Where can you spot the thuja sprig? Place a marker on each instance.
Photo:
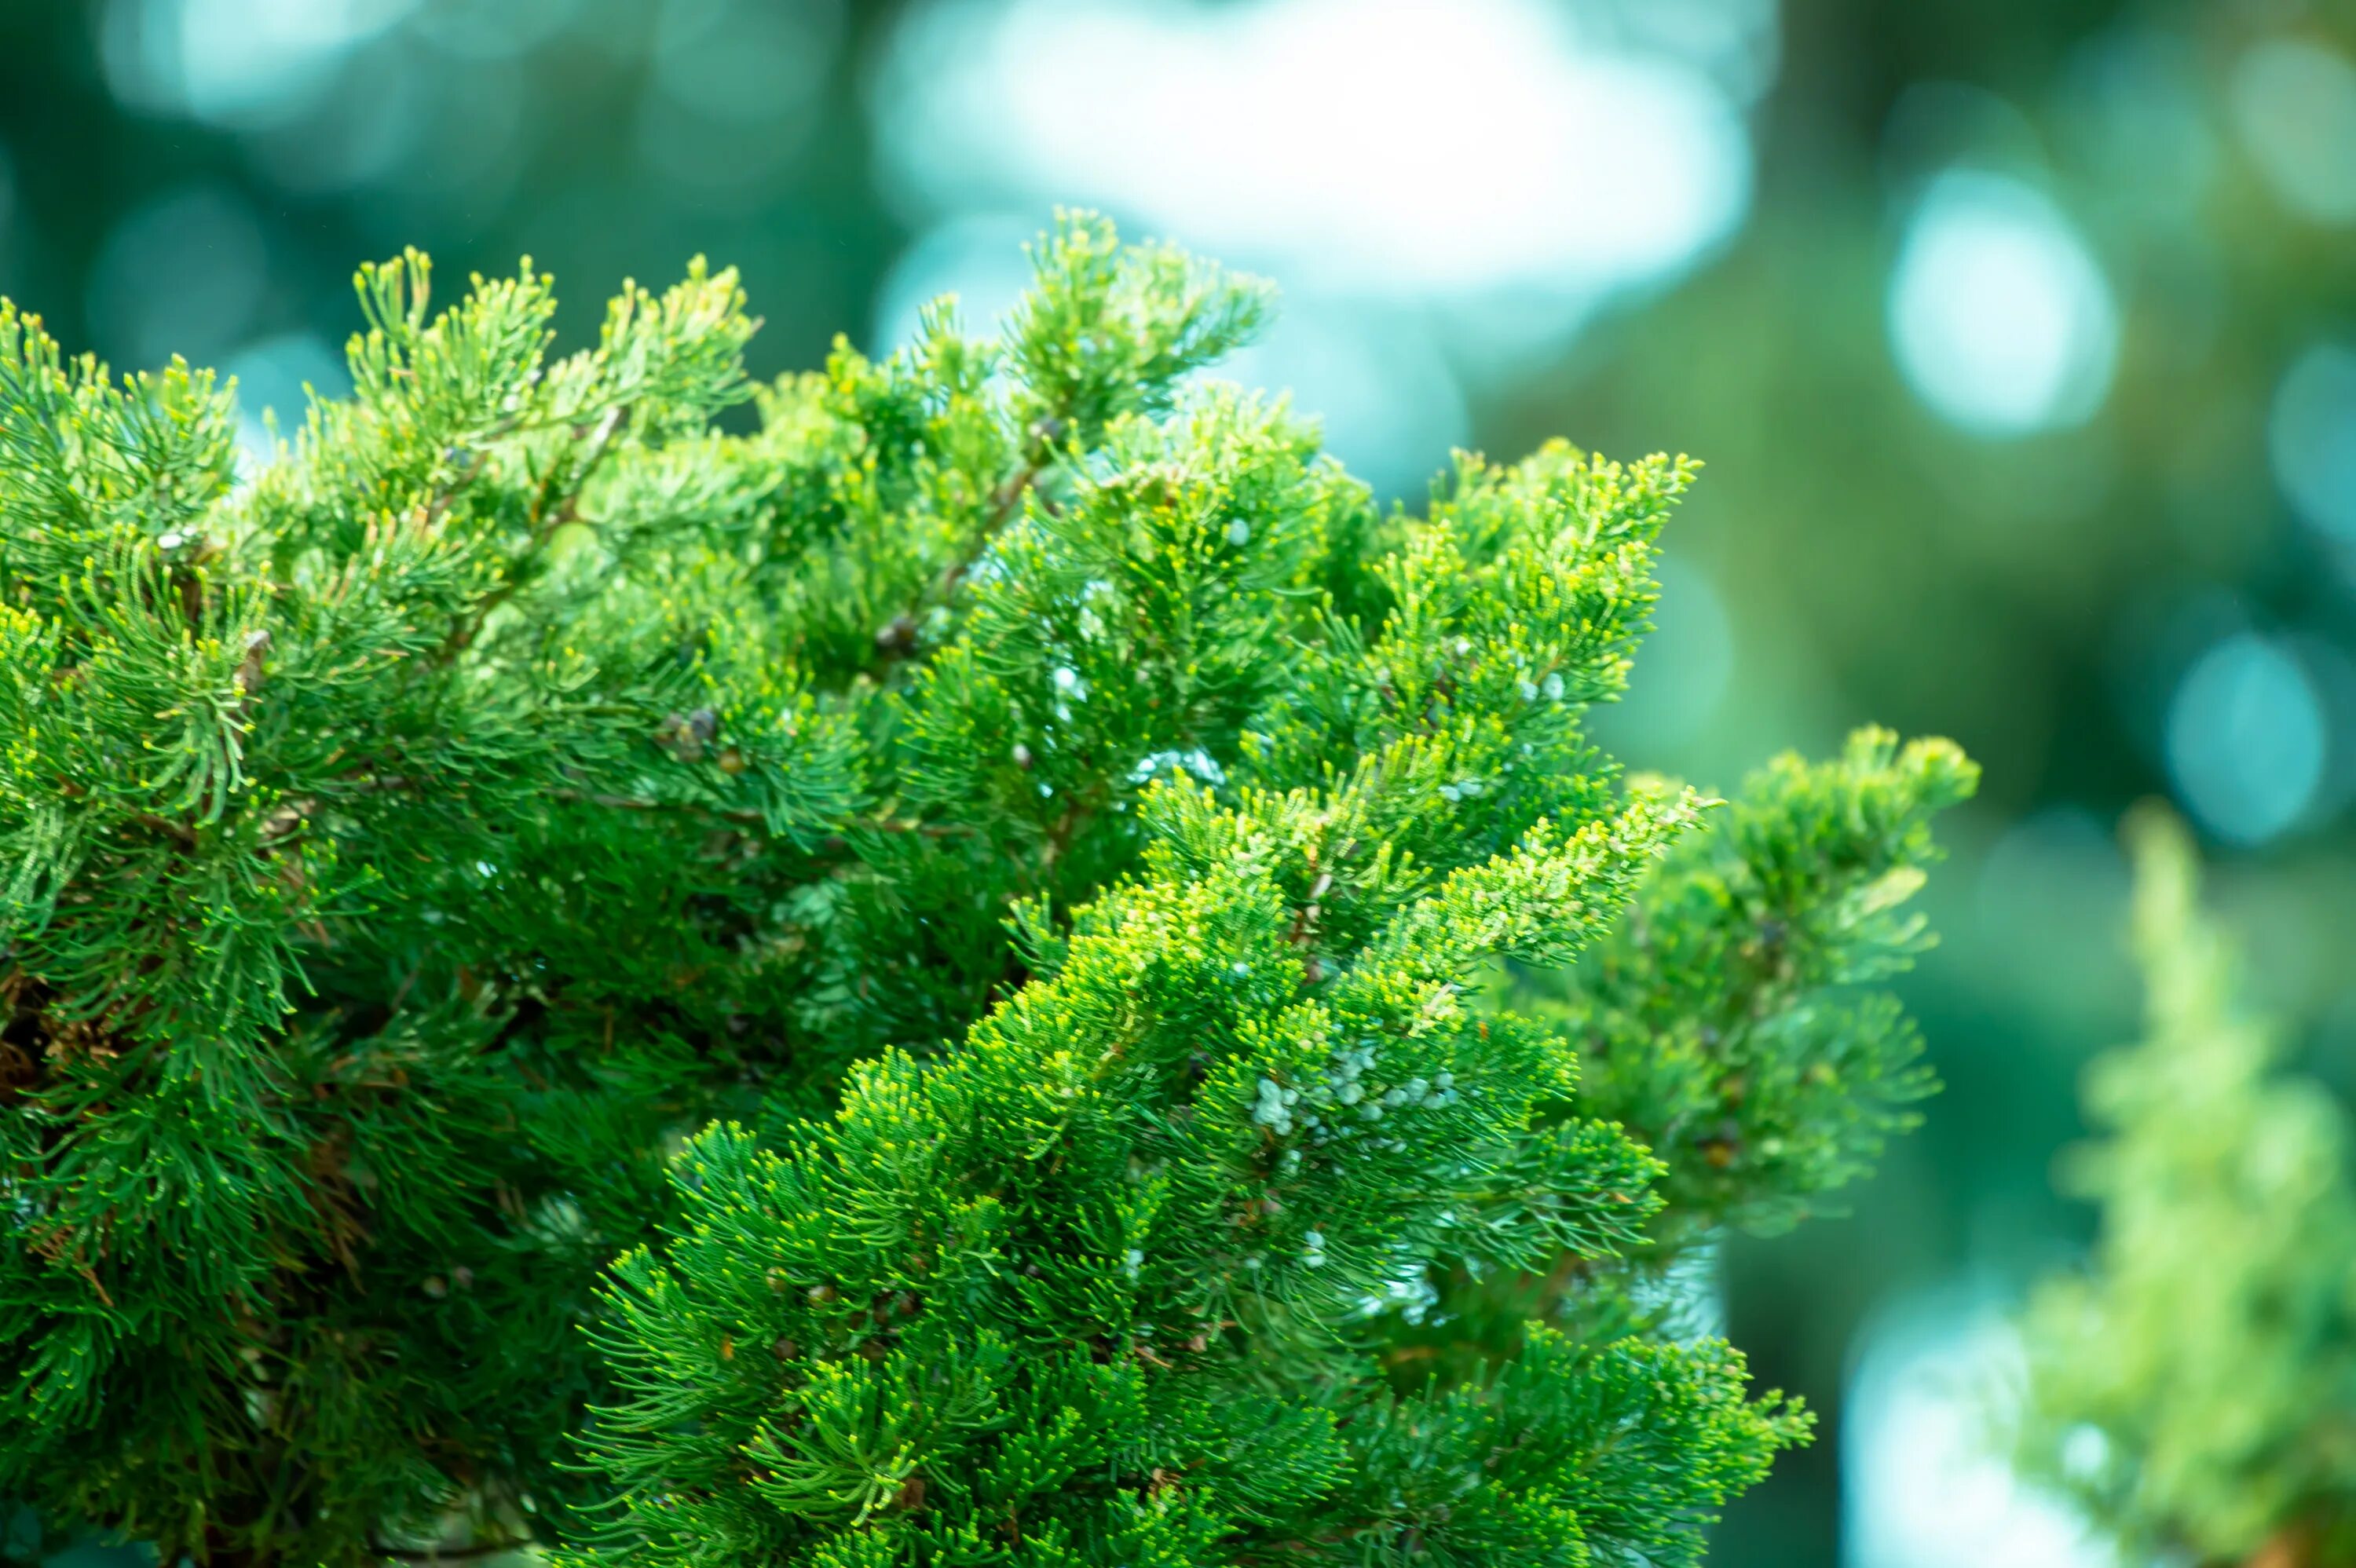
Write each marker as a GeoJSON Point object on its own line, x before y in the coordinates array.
{"type": "Point", "coordinates": [994, 891]}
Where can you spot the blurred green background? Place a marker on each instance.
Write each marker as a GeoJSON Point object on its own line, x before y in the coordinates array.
{"type": "Point", "coordinates": [2018, 336]}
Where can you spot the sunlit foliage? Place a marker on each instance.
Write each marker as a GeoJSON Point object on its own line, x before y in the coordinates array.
{"type": "Point", "coordinates": [1071, 853]}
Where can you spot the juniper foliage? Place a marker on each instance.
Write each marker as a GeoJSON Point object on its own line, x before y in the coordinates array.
{"type": "Point", "coordinates": [1078, 851]}
{"type": "Point", "coordinates": [2193, 1389]}
{"type": "Point", "coordinates": [1732, 1021]}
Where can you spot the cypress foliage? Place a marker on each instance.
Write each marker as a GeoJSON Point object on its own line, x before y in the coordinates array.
{"type": "Point", "coordinates": [2193, 1389]}
{"type": "Point", "coordinates": [1104, 883]}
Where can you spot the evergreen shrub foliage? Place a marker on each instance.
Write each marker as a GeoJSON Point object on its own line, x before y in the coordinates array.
{"type": "Point", "coordinates": [2194, 1389]}
{"type": "Point", "coordinates": [1087, 970]}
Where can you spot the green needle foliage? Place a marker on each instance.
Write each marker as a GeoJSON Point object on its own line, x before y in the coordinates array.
{"type": "Point", "coordinates": [1069, 847]}
{"type": "Point", "coordinates": [2194, 1390]}
{"type": "Point", "coordinates": [1730, 1021]}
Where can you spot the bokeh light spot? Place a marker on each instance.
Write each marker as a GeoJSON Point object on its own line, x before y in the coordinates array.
{"type": "Point", "coordinates": [274, 378]}
{"type": "Point", "coordinates": [272, 373]}
{"type": "Point", "coordinates": [2055, 882]}
{"type": "Point", "coordinates": [1999, 318]}
{"type": "Point", "coordinates": [979, 257]}
{"type": "Point", "coordinates": [2246, 739]}
{"type": "Point", "coordinates": [493, 32]}
{"type": "Point", "coordinates": [2294, 103]}
{"type": "Point", "coordinates": [2312, 437]}
{"type": "Point", "coordinates": [1922, 1485]}
{"type": "Point", "coordinates": [1377, 382]}
{"type": "Point", "coordinates": [1270, 133]}
{"type": "Point", "coordinates": [1558, 160]}
{"type": "Point", "coordinates": [467, 156]}
{"type": "Point", "coordinates": [2134, 117]}
{"type": "Point", "coordinates": [184, 273]}
{"type": "Point", "coordinates": [241, 63]}
{"type": "Point", "coordinates": [744, 64]}
{"type": "Point", "coordinates": [743, 77]}
{"type": "Point", "coordinates": [363, 132]}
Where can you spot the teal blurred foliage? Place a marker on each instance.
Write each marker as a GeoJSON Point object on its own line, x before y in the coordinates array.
{"type": "Point", "coordinates": [2192, 1390]}
{"type": "Point", "coordinates": [2136, 582]}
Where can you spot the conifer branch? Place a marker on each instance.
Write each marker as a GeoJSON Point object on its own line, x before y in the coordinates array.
{"type": "Point", "coordinates": [1003, 503]}
{"type": "Point", "coordinates": [898, 639]}
{"type": "Point", "coordinates": [1152, 1004]}
{"type": "Point", "coordinates": [179, 832]}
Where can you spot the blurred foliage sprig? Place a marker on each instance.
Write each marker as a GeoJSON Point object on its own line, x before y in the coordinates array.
{"type": "Point", "coordinates": [2194, 1389]}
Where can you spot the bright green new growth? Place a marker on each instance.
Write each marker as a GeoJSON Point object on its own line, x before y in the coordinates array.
{"type": "Point", "coordinates": [1075, 842]}
{"type": "Point", "coordinates": [1097, 1285]}
{"type": "Point", "coordinates": [1725, 1022]}
{"type": "Point", "coordinates": [2195, 1390]}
